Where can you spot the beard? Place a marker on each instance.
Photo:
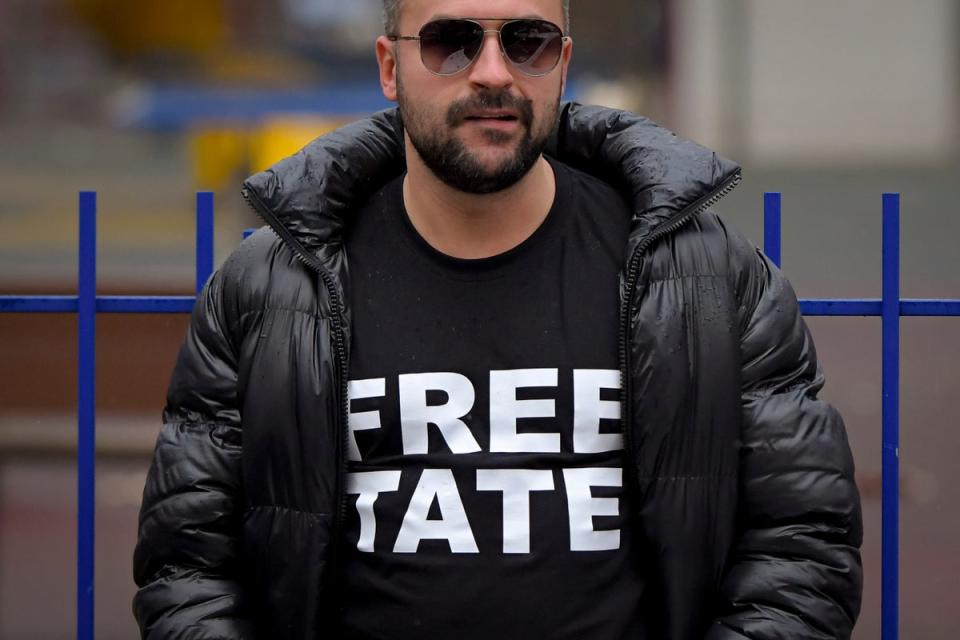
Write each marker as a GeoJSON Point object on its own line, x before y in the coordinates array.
{"type": "Point", "coordinates": [452, 162]}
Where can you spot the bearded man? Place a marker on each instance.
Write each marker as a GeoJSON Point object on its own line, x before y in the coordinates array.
{"type": "Point", "coordinates": [495, 369]}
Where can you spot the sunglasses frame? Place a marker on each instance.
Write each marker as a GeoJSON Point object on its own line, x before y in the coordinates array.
{"type": "Point", "coordinates": [499, 31]}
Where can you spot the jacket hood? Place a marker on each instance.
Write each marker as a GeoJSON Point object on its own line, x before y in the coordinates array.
{"type": "Point", "coordinates": [308, 197]}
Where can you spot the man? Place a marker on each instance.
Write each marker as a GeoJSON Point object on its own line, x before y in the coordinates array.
{"type": "Point", "coordinates": [463, 389]}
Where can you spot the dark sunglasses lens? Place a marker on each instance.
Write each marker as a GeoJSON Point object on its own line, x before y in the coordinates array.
{"type": "Point", "coordinates": [449, 46]}
{"type": "Point", "coordinates": [533, 45]}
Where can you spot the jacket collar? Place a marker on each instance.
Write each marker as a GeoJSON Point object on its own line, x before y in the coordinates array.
{"type": "Point", "coordinates": [308, 197]}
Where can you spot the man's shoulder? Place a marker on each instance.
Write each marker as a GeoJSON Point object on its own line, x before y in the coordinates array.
{"type": "Point", "coordinates": [257, 252]}
{"type": "Point", "coordinates": [264, 272]}
{"type": "Point", "coordinates": [708, 245]}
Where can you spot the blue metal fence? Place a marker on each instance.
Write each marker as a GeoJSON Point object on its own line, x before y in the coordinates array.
{"type": "Point", "coordinates": [87, 304]}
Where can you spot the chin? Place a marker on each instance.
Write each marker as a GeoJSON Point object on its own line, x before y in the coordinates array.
{"type": "Point", "coordinates": [492, 148]}
{"type": "Point", "coordinates": [495, 161]}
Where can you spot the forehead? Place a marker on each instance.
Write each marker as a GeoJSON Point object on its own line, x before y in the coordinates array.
{"type": "Point", "coordinates": [414, 13]}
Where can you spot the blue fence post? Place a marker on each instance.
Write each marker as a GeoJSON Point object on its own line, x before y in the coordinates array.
{"type": "Point", "coordinates": [204, 260]}
{"type": "Point", "coordinates": [772, 232]}
{"type": "Point", "coordinates": [86, 410]}
{"type": "Point", "coordinates": [890, 305]}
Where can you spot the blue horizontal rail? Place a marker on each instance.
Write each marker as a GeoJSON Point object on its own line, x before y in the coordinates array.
{"type": "Point", "coordinates": [104, 304]}
{"type": "Point", "coordinates": [184, 304]}
{"type": "Point", "coordinates": [874, 307]}
{"type": "Point", "coordinates": [86, 304]}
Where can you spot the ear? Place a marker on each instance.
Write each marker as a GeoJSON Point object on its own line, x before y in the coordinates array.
{"type": "Point", "coordinates": [565, 63]}
{"type": "Point", "coordinates": [387, 60]}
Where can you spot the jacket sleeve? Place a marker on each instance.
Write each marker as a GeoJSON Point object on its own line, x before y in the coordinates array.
{"type": "Point", "coordinates": [795, 568]}
{"type": "Point", "coordinates": [186, 558]}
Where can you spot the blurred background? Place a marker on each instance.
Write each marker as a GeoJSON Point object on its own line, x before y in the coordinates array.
{"type": "Point", "coordinates": [831, 102]}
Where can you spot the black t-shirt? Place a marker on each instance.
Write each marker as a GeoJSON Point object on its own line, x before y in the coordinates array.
{"type": "Point", "coordinates": [484, 480]}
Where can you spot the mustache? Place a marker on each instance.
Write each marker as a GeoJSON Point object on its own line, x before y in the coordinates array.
{"type": "Point", "coordinates": [460, 109]}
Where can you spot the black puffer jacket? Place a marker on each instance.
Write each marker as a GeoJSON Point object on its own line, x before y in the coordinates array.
{"type": "Point", "coordinates": [742, 478]}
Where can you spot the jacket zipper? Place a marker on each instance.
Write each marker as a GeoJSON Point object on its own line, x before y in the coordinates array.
{"type": "Point", "coordinates": [633, 272]}
{"type": "Point", "coordinates": [312, 262]}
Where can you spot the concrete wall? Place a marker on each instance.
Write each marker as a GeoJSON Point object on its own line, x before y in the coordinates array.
{"type": "Point", "coordinates": [844, 81]}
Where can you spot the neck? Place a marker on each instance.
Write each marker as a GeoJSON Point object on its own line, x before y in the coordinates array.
{"type": "Point", "coordinates": [471, 226]}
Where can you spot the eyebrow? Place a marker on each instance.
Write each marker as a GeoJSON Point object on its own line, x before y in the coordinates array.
{"type": "Point", "coordinates": [446, 16]}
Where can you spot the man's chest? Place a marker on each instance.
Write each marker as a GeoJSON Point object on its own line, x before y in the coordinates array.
{"type": "Point", "coordinates": [484, 416]}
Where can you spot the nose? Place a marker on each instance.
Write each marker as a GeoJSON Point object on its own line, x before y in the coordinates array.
{"type": "Point", "coordinates": [491, 69]}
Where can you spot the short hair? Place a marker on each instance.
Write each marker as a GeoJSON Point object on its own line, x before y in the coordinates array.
{"type": "Point", "coordinates": [391, 16]}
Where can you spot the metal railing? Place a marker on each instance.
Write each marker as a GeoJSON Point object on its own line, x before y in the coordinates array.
{"type": "Point", "coordinates": [87, 304]}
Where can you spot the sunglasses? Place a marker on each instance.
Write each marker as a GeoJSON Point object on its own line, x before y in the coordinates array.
{"type": "Point", "coordinates": [449, 46]}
